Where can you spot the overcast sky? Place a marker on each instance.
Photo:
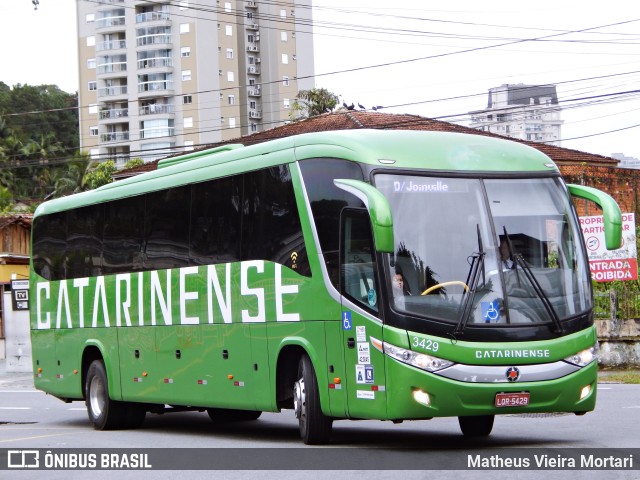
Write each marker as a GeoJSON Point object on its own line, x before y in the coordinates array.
{"type": "Point", "coordinates": [426, 57]}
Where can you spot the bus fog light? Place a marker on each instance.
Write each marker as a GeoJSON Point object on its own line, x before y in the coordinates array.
{"type": "Point", "coordinates": [421, 397]}
{"type": "Point", "coordinates": [586, 390]}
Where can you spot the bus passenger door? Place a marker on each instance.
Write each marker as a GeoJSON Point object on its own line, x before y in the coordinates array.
{"type": "Point", "coordinates": [364, 365]}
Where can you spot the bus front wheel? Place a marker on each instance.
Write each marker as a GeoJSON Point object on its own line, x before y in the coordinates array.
{"type": "Point", "coordinates": [478, 426]}
{"type": "Point", "coordinates": [315, 427]}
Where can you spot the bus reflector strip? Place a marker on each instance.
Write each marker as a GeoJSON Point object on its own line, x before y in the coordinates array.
{"type": "Point", "coordinates": [335, 386]}
{"type": "Point", "coordinates": [137, 379]}
{"type": "Point", "coordinates": [202, 382]}
{"type": "Point", "coordinates": [168, 380]}
{"type": "Point", "coordinates": [238, 384]}
{"type": "Point", "coordinates": [378, 388]}
{"type": "Point", "coordinates": [60, 376]}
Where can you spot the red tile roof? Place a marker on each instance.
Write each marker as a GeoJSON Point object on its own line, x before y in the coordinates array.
{"type": "Point", "coordinates": [346, 120]}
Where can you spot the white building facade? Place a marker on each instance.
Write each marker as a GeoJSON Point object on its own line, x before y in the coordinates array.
{"type": "Point", "coordinates": [162, 77]}
{"type": "Point", "coordinates": [525, 112]}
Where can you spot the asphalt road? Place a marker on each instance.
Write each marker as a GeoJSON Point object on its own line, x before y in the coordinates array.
{"type": "Point", "coordinates": [32, 420]}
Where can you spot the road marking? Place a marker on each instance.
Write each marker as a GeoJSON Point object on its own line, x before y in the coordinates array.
{"type": "Point", "coordinates": [15, 408]}
{"type": "Point", "coordinates": [33, 438]}
{"type": "Point", "coordinates": [20, 391]}
{"type": "Point", "coordinates": [79, 409]}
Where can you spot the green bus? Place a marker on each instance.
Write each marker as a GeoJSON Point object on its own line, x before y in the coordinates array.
{"type": "Point", "coordinates": [365, 274]}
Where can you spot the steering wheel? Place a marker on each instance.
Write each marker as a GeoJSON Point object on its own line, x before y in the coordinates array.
{"type": "Point", "coordinates": [445, 284]}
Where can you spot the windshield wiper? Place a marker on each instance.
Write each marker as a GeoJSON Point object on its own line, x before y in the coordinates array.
{"type": "Point", "coordinates": [519, 260]}
{"type": "Point", "coordinates": [477, 266]}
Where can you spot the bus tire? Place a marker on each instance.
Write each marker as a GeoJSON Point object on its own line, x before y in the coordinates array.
{"type": "Point", "coordinates": [228, 415]}
{"type": "Point", "coordinates": [315, 427]}
{"type": "Point", "coordinates": [104, 413]}
{"type": "Point", "coordinates": [478, 426]}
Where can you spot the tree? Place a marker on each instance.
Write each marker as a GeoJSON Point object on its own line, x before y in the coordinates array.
{"type": "Point", "coordinates": [72, 177]}
{"type": "Point", "coordinates": [309, 103]}
{"type": "Point", "coordinates": [100, 175]}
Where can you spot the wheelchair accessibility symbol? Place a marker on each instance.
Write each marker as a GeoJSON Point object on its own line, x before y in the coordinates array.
{"type": "Point", "coordinates": [346, 321]}
{"type": "Point", "coordinates": [490, 311]}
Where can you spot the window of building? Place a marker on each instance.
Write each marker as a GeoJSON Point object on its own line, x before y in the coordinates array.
{"type": "Point", "coordinates": [187, 99]}
{"type": "Point", "coordinates": [188, 122]}
{"type": "Point", "coordinates": [251, 38]}
{"type": "Point", "coordinates": [188, 145]}
{"type": "Point", "coordinates": [232, 99]}
{"type": "Point", "coordinates": [91, 63]}
{"type": "Point", "coordinates": [184, 28]}
{"type": "Point", "coordinates": [185, 52]}
{"type": "Point", "coordinates": [285, 59]}
{"type": "Point", "coordinates": [90, 17]}
{"type": "Point", "coordinates": [286, 103]}
{"type": "Point", "coordinates": [283, 36]}
{"type": "Point", "coordinates": [285, 81]}
{"type": "Point", "coordinates": [232, 122]}
{"type": "Point", "coordinates": [283, 14]}
{"type": "Point", "coordinates": [249, 15]}
{"type": "Point", "coordinates": [229, 53]}
{"type": "Point", "coordinates": [93, 131]}
{"type": "Point", "coordinates": [184, 4]}
{"type": "Point", "coordinates": [227, 7]}
{"type": "Point", "coordinates": [253, 104]}
{"type": "Point", "coordinates": [91, 41]}
{"type": "Point", "coordinates": [228, 30]}
{"type": "Point", "coordinates": [230, 76]}
{"type": "Point", "coordinates": [93, 109]}
{"type": "Point", "coordinates": [254, 127]}
{"type": "Point", "coordinates": [92, 86]}
{"type": "Point", "coordinates": [186, 75]}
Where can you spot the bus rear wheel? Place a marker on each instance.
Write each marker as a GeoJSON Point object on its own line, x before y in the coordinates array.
{"type": "Point", "coordinates": [104, 413]}
{"type": "Point", "coordinates": [315, 427]}
{"type": "Point", "coordinates": [478, 426]}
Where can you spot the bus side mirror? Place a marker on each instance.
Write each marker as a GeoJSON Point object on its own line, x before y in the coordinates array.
{"type": "Point", "coordinates": [610, 212]}
{"type": "Point", "coordinates": [379, 211]}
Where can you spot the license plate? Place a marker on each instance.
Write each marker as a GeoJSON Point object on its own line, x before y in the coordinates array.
{"type": "Point", "coordinates": [520, 399]}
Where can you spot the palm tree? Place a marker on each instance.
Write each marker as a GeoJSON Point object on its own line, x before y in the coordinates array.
{"type": "Point", "coordinates": [72, 177]}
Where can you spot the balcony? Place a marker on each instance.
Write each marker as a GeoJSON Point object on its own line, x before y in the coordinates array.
{"type": "Point", "coordinates": [251, 4]}
{"type": "Point", "coordinates": [155, 109]}
{"type": "Point", "coordinates": [114, 137]}
{"type": "Point", "coordinates": [152, 17]}
{"type": "Point", "coordinates": [257, 114]}
{"type": "Point", "coordinates": [115, 67]}
{"type": "Point", "coordinates": [111, 45]}
{"type": "Point", "coordinates": [254, 92]}
{"type": "Point", "coordinates": [158, 132]}
{"type": "Point", "coordinates": [159, 62]}
{"type": "Point", "coordinates": [252, 26]}
{"type": "Point", "coordinates": [253, 48]}
{"type": "Point", "coordinates": [253, 70]}
{"type": "Point", "coordinates": [105, 22]}
{"type": "Point", "coordinates": [156, 39]}
{"type": "Point", "coordinates": [155, 86]}
{"type": "Point", "coordinates": [114, 113]}
{"type": "Point", "coordinates": [112, 91]}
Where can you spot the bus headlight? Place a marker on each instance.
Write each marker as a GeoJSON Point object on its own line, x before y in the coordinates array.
{"type": "Point", "coordinates": [583, 358]}
{"type": "Point", "coordinates": [419, 360]}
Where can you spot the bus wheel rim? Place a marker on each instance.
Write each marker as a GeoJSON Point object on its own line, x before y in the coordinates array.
{"type": "Point", "coordinates": [96, 396]}
{"type": "Point", "coordinates": [299, 398]}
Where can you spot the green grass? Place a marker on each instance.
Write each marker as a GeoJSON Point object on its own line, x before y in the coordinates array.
{"type": "Point", "coordinates": [619, 376]}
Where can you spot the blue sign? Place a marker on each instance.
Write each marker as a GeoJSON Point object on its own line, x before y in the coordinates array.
{"type": "Point", "coordinates": [346, 321]}
{"type": "Point", "coordinates": [490, 311]}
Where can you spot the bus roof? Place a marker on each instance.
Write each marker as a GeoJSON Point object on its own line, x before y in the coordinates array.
{"type": "Point", "coordinates": [409, 149]}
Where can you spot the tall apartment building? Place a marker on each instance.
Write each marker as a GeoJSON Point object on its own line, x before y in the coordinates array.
{"type": "Point", "coordinates": [165, 76]}
{"type": "Point", "coordinates": [526, 112]}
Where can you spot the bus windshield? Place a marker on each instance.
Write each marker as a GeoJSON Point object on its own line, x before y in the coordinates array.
{"type": "Point", "coordinates": [485, 251]}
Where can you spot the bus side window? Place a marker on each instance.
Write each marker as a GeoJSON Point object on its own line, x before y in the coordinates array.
{"type": "Point", "coordinates": [271, 228]}
{"type": "Point", "coordinates": [358, 260]}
